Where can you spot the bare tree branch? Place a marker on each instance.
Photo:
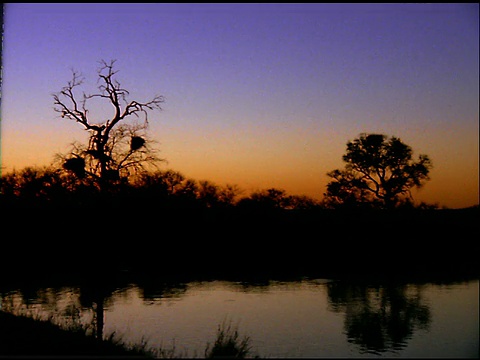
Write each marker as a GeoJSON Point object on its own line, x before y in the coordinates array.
{"type": "Point", "coordinates": [106, 148]}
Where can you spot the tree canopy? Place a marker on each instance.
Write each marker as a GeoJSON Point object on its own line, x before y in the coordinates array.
{"type": "Point", "coordinates": [380, 172]}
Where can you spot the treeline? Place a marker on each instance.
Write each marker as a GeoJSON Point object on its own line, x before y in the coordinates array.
{"type": "Point", "coordinates": [165, 224]}
{"type": "Point", "coordinates": [163, 189]}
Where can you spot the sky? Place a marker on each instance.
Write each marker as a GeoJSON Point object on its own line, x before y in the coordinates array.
{"type": "Point", "coordinates": [256, 95]}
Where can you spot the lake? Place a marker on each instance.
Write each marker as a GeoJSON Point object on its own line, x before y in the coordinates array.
{"type": "Point", "coordinates": [300, 318]}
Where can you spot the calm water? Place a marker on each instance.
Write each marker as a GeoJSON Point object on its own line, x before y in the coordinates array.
{"type": "Point", "coordinates": [314, 318]}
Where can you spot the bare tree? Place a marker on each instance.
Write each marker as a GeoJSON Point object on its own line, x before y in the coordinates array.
{"type": "Point", "coordinates": [116, 149]}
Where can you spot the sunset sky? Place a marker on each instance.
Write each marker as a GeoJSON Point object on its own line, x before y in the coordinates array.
{"type": "Point", "coordinates": [257, 95]}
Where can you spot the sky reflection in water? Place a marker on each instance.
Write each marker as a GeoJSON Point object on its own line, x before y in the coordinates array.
{"type": "Point", "coordinates": [283, 319]}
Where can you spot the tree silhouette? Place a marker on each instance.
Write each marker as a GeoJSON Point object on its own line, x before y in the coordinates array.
{"type": "Point", "coordinates": [116, 150]}
{"type": "Point", "coordinates": [379, 172]}
{"type": "Point", "coordinates": [212, 195]}
{"type": "Point", "coordinates": [33, 186]}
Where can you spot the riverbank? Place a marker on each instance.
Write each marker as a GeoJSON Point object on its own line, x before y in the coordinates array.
{"type": "Point", "coordinates": [25, 337]}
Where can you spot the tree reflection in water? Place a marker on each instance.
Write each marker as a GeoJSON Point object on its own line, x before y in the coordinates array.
{"type": "Point", "coordinates": [61, 306]}
{"type": "Point", "coordinates": [80, 307]}
{"type": "Point", "coordinates": [379, 318]}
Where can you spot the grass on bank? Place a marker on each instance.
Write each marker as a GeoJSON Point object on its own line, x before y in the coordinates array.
{"type": "Point", "coordinates": [228, 343]}
{"type": "Point", "coordinates": [26, 336]}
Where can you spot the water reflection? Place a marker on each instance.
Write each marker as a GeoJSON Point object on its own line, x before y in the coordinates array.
{"type": "Point", "coordinates": [151, 291]}
{"type": "Point", "coordinates": [285, 318]}
{"type": "Point", "coordinates": [82, 306]}
{"type": "Point", "coordinates": [379, 318]}
{"type": "Point", "coordinates": [61, 306]}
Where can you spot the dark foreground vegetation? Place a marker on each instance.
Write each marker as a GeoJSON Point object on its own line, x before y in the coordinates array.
{"type": "Point", "coordinates": [166, 225]}
{"type": "Point", "coordinates": [26, 337]}
{"type": "Point", "coordinates": [239, 243]}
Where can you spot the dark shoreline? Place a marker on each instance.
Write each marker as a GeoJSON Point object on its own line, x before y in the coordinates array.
{"type": "Point", "coordinates": [25, 338]}
{"type": "Point", "coordinates": [181, 244]}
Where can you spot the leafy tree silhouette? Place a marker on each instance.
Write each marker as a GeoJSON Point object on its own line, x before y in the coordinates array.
{"type": "Point", "coordinates": [379, 172]}
{"type": "Point", "coordinates": [116, 150]}
{"type": "Point", "coordinates": [212, 195]}
{"type": "Point", "coordinates": [167, 189]}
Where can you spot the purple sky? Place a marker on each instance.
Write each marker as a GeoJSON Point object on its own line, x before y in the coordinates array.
{"type": "Point", "coordinates": [258, 95]}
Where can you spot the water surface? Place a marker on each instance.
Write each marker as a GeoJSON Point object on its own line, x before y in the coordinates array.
{"type": "Point", "coordinates": [305, 318]}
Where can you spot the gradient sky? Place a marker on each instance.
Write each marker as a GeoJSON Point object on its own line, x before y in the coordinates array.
{"type": "Point", "coordinates": [257, 95]}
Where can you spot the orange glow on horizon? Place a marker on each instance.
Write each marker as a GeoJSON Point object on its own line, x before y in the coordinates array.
{"type": "Point", "coordinates": [257, 162]}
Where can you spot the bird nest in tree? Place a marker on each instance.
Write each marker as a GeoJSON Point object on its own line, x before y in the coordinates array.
{"type": "Point", "coordinates": [75, 165]}
{"type": "Point", "coordinates": [136, 143]}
